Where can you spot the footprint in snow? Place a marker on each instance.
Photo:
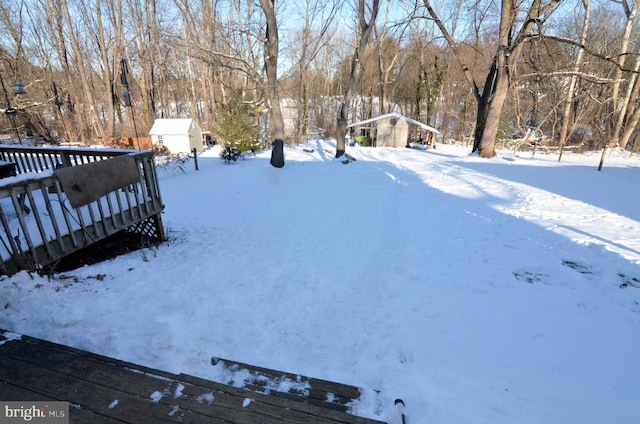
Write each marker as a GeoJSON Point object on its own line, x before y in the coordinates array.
{"type": "Point", "coordinates": [530, 277]}
{"type": "Point", "coordinates": [577, 266]}
{"type": "Point", "coordinates": [628, 281]}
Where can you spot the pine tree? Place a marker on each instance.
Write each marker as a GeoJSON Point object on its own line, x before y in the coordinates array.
{"type": "Point", "coordinates": [237, 125]}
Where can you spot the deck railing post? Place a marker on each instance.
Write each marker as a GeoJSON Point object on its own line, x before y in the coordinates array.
{"type": "Point", "coordinates": [195, 157]}
{"type": "Point", "coordinates": [66, 159]}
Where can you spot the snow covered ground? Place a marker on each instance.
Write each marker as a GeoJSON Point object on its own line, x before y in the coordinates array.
{"type": "Point", "coordinates": [479, 291]}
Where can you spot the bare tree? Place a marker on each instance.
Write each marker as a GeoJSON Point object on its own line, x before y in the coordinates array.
{"type": "Point", "coordinates": [109, 57]}
{"type": "Point", "coordinates": [566, 113]}
{"type": "Point", "coordinates": [386, 57]}
{"type": "Point", "coordinates": [623, 104]}
{"type": "Point", "coordinates": [490, 97]}
{"type": "Point", "coordinates": [227, 47]}
{"type": "Point", "coordinates": [308, 44]}
{"type": "Point", "coordinates": [324, 73]}
{"type": "Point", "coordinates": [83, 71]}
{"type": "Point", "coordinates": [271, 68]}
{"type": "Point", "coordinates": [71, 98]}
{"type": "Point", "coordinates": [365, 27]}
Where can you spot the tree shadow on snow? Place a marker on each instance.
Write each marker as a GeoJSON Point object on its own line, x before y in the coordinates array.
{"type": "Point", "coordinates": [608, 189]}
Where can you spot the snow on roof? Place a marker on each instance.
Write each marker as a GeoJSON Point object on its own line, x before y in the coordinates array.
{"type": "Point", "coordinates": [171, 126]}
{"type": "Point", "coordinates": [395, 115]}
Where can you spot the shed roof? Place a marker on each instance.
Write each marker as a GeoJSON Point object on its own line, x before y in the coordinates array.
{"type": "Point", "coordinates": [395, 115]}
{"type": "Point", "coordinates": [171, 126]}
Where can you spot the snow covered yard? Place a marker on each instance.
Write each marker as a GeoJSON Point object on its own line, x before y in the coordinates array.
{"type": "Point", "coordinates": [478, 291]}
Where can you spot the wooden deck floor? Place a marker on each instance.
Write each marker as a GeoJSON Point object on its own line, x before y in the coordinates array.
{"type": "Point", "coordinates": [105, 390]}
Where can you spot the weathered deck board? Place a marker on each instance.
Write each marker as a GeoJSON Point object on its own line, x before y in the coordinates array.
{"type": "Point", "coordinates": [317, 392]}
{"type": "Point", "coordinates": [107, 390]}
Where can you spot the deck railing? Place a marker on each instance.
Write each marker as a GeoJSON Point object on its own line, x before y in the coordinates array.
{"type": "Point", "coordinates": [39, 224]}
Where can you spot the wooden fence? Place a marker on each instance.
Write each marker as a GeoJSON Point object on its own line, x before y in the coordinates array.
{"type": "Point", "coordinates": [40, 226]}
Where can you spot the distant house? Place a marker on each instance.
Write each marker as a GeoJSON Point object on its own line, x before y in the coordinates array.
{"type": "Point", "coordinates": [177, 135]}
{"type": "Point", "coordinates": [392, 129]}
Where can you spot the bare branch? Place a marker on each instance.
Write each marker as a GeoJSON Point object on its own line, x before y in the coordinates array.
{"type": "Point", "coordinates": [586, 48]}
{"type": "Point", "coordinates": [533, 18]}
{"type": "Point", "coordinates": [454, 47]}
{"type": "Point", "coordinates": [587, 77]}
{"type": "Point", "coordinates": [236, 63]}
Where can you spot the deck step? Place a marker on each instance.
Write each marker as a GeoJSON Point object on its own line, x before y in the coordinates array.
{"type": "Point", "coordinates": [323, 393]}
{"type": "Point", "coordinates": [100, 389]}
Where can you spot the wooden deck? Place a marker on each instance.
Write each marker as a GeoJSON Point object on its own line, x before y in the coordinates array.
{"type": "Point", "coordinates": [105, 390]}
{"type": "Point", "coordinates": [63, 200]}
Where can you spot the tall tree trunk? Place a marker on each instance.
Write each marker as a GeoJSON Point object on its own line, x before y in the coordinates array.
{"type": "Point", "coordinates": [356, 68]}
{"type": "Point", "coordinates": [271, 68]}
{"type": "Point", "coordinates": [46, 57]}
{"type": "Point", "coordinates": [566, 112]}
{"type": "Point", "coordinates": [117, 52]}
{"type": "Point", "coordinates": [82, 72]}
{"type": "Point", "coordinates": [303, 109]}
{"type": "Point", "coordinates": [624, 123]}
{"type": "Point", "coordinates": [68, 96]}
{"type": "Point", "coordinates": [633, 119]}
{"type": "Point", "coordinates": [620, 105]}
{"type": "Point", "coordinates": [343, 116]}
{"type": "Point", "coordinates": [384, 70]}
{"type": "Point", "coordinates": [107, 75]}
{"type": "Point", "coordinates": [496, 87]}
{"type": "Point", "coordinates": [490, 104]}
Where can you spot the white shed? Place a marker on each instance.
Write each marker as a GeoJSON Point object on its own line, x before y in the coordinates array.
{"type": "Point", "coordinates": [392, 129]}
{"type": "Point", "coordinates": [178, 135]}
